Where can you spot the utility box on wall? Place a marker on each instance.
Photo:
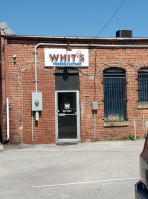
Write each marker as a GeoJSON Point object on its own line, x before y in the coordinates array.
{"type": "Point", "coordinates": [94, 106]}
{"type": "Point", "coordinates": [36, 101]}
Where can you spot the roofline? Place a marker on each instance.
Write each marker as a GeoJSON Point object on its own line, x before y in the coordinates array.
{"type": "Point", "coordinates": [29, 37]}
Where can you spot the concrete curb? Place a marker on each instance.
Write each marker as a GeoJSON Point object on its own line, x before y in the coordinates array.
{"type": "Point", "coordinates": [1, 148]}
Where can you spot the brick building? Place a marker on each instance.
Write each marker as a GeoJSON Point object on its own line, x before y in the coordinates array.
{"type": "Point", "coordinates": [69, 89]}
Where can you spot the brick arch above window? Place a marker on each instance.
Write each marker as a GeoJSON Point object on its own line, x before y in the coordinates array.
{"type": "Point", "coordinates": [143, 69]}
{"type": "Point", "coordinates": [105, 67]}
{"type": "Point", "coordinates": [114, 70]}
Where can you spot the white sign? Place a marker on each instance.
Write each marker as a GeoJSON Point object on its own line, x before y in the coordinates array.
{"type": "Point", "coordinates": [62, 57]}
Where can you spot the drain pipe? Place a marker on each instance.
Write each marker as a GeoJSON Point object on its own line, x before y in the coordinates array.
{"type": "Point", "coordinates": [7, 113]}
{"type": "Point", "coordinates": [7, 90]}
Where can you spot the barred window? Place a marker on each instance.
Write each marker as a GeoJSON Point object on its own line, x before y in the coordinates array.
{"type": "Point", "coordinates": [143, 85]}
{"type": "Point", "coordinates": [114, 81]}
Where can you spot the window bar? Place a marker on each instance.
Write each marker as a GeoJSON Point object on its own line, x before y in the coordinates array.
{"type": "Point", "coordinates": [114, 97]}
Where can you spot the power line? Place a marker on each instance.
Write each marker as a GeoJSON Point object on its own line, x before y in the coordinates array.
{"type": "Point", "coordinates": [111, 18]}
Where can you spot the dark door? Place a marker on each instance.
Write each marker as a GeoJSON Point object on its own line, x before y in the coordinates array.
{"type": "Point", "coordinates": [67, 115]}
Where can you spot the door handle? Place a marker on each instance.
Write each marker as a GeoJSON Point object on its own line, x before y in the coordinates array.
{"type": "Point", "coordinates": [61, 114]}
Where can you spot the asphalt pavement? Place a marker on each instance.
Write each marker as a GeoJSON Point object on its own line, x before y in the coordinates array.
{"type": "Point", "coordinates": [104, 170]}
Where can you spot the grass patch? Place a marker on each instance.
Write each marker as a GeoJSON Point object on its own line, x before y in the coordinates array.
{"type": "Point", "coordinates": [125, 138]}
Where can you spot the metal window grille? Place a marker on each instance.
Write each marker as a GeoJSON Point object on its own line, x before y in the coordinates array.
{"type": "Point", "coordinates": [114, 81]}
{"type": "Point", "coordinates": [143, 86]}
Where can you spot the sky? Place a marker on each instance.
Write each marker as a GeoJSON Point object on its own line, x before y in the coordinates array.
{"type": "Point", "coordinates": [76, 18]}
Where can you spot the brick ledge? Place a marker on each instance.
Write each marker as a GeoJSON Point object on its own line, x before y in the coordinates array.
{"type": "Point", "coordinates": [142, 106]}
{"type": "Point", "coordinates": [108, 124]}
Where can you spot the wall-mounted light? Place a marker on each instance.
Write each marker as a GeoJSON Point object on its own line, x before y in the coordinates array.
{"type": "Point", "coordinates": [14, 59]}
{"type": "Point", "coordinates": [69, 47]}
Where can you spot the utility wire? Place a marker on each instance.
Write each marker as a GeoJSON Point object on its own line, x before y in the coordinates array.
{"type": "Point", "coordinates": [111, 18]}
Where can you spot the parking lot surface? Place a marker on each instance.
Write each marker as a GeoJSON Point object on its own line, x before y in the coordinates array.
{"type": "Point", "coordinates": [92, 170]}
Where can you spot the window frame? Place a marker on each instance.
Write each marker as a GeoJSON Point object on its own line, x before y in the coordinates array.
{"type": "Point", "coordinates": [143, 88]}
{"type": "Point", "coordinates": [114, 85]}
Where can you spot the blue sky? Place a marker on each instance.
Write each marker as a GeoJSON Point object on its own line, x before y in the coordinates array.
{"type": "Point", "coordinates": [74, 17]}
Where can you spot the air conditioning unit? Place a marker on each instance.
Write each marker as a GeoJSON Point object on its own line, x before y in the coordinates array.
{"type": "Point", "coordinates": [124, 33]}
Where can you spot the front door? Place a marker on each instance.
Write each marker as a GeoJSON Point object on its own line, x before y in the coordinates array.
{"type": "Point", "coordinates": [67, 116]}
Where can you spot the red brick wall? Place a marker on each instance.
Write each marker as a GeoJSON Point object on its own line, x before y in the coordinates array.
{"type": "Point", "coordinates": [24, 129]}
{"type": "Point", "coordinates": [130, 60]}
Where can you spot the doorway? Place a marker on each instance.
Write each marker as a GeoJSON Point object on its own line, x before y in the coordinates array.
{"type": "Point", "coordinates": [67, 116]}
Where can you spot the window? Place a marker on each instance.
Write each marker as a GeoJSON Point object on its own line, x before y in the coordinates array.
{"type": "Point", "coordinates": [143, 85]}
{"type": "Point", "coordinates": [114, 81]}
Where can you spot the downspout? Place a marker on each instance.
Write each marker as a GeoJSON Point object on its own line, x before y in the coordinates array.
{"type": "Point", "coordinates": [7, 90]}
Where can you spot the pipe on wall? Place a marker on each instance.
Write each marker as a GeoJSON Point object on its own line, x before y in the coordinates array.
{"type": "Point", "coordinates": [35, 59]}
{"type": "Point", "coordinates": [6, 90]}
{"type": "Point", "coordinates": [83, 45]}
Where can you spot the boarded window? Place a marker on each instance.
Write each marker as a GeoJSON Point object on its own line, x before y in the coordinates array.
{"type": "Point", "coordinates": [67, 79]}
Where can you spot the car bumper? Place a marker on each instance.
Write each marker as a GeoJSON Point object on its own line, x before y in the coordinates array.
{"type": "Point", "coordinates": [140, 192]}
